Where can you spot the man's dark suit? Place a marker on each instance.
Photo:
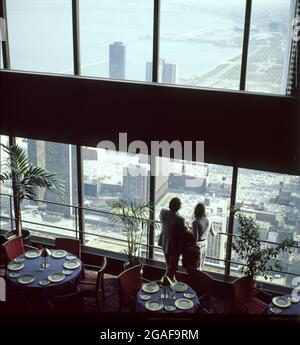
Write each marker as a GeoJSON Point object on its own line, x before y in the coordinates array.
{"type": "Point", "coordinates": [171, 239]}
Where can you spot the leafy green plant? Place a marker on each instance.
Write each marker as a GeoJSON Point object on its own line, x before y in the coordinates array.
{"type": "Point", "coordinates": [26, 178]}
{"type": "Point", "coordinates": [249, 248]}
{"type": "Point", "coordinates": [135, 219]}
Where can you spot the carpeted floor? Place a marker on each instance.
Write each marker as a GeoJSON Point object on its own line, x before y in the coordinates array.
{"type": "Point", "coordinates": [111, 303]}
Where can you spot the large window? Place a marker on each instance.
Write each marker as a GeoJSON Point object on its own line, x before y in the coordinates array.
{"type": "Point", "coordinates": [116, 38]}
{"type": "Point", "coordinates": [194, 183]}
{"type": "Point", "coordinates": [273, 200]}
{"type": "Point", "coordinates": [269, 48]}
{"type": "Point", "coordinates": [40, 35]}
{"type": "Point", "coordinates": [201, 42]}
{"type": "Point", "coordinates": [6, 201]}
{"type": "Point", "coordinates": [53, 214]}
{"type": "Point", "coordinates": [111, 176]}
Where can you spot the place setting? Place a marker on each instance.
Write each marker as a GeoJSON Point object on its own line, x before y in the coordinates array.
{"type": "Point", "coordinates": [174, 296]}
{"type": "Point", "coordinates": [279, 303]}
{"type": "Point", "coordinates": [32, 254]}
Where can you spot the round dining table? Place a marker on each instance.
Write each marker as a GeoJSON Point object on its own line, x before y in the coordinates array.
{"type": "Point", "coordinates": [41, 286]}
{"type": "Point", "coordinates": [168, 300]}
{"type": "Point", "coordinates": [292, 309]}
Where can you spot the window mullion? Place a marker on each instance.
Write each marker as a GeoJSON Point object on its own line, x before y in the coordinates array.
{"type": "Point", "coordinates": [246, 39]}
{"type": "Point", "coordinates": [156, 32]}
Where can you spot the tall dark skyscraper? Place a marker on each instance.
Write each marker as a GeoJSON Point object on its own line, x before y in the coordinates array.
{"type": "Point", "coordinates": [117, 56]}
{"type": "Point", "coordinates": [167, 72]}
{"type": "Point", "coordinates": [59, 159]}
{"type": "Point", "coordinates": [135, 184]}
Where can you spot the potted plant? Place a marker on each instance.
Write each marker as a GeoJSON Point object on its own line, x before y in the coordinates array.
{"type": "Point", "coordinates": [249, 248]}
{"type": "Point", "coordinates": [135, 219]}
{"type": "Point", "coordinates": [26, 178]}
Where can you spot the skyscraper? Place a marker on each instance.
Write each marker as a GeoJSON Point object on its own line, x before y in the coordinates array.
{"type": "Point", "coordinates": [135, 184]}
{"type": "Point", "coordinates": [60, 159]}
{"type": "Point", "coordinates": [117, 53]}
{"type": "Point", "coordinates": [167, 72]}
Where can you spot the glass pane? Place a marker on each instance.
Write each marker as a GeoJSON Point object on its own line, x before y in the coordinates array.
{"type": "Point", "coordinates": [52, 214]}
{"type": "Point", "coordinates": [116, 38]}
{"type": "Point", "coordinates": [273, 200]}
{"type": "Point", "coordinates": [40, 35]}
{"type": "Point", "coordinates": [1, 56]}
{"type": "Point", "coordinates": [6, 201]}
{"type": "Point", "coordinates": [193, 183]}
{"type": "Point", "coordinates": [269, 46]}
{"type": "Point", "coordinates": [112, 176]}
{"type": "Point", "coordinates": [201, 42]}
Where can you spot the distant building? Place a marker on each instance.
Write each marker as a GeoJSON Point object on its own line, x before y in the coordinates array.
{"type": "Point", "coordinates": [59, 159]}
{"type": "Point", "coordinates": [135, 184]}
{"type": "Point", "coordinates": [117, 55]}
{"type": "Point", "coordinates": [92, 188]}
{"type": "Point", "coordinates": [89, 154]}
{"type": "Point", "coordinates": [167, 72]}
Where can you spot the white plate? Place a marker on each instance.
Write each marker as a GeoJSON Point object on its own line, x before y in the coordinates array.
{"type": "Point", "coordinates": [150, 287]}
{"type": "Point", "coordinates": [32, 254]}
{"type": "Point", "coordinates": [71, 264]}
{"type": "Point", "coordinates": [14, 274]}
{"type": "Point", "coordinates": [180, 286]}
{"type": "Point", "coordinates": [145, 297]}
{"type": "Point", "coordinates": [275, 310]}
{"type": "Point", "coordinates": [44, 282]}
{"type": "Point", "coordinates": [67, 272]}
{"type": "Point", "coordinates": [154, 305]}
{"type": "Point", "coordinates": [19, 259]}
{"type": "Point", "coordinates": [281, 301]}
{"type": "Point", "coordinates": [58, 253]}
{"type": "Point", "coordinates": [184, 303]}
{"type": "Point", "coordinates": [56, 277]}
{"type": "Point", "coordinates": [15, 266]}
{"type": "Point", "coordinates": [170, 308]}
{"type": "Point", "coordinates": [26, 278]}
{"type": "Point", "coordinates": [71, 257]}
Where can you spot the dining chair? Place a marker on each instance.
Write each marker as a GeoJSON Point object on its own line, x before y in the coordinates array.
{"type": "Point", "coordinates": [67, 304]}
{"type": "Point", "coordinates": [13, 248]}
{"type": "Point", "coordinates": [2, 257]}
{"type": "Point", "coordinates": [71, 245]}
{"type": "Point", "coordinates": [244, 300]}
{"type": "Point", "coordinates": [92, 284]}
{"type": "Point", "coordinates": [129, 281]}
{"type": "Point", "coordinates": [202, 283]}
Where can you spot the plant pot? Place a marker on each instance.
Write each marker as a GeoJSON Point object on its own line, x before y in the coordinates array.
{"type": "Point", "coordinates": [9, 235]}
{"type": "Point", "coordinates": [128, 264]}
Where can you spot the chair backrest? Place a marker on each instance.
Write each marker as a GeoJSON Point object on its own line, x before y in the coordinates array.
{"type": "Point", "coordinates": [242, 289]}
{"type": "Point", "coordinates": [67, 304]}
{"type": "Point", "coordinates": [13, 248]}
{"type": "Point", "coordinates": [71, 245]}
{"type": "Point", "coordinates": [129, 283]}
{"type": "Point", "coordinates": [200, 281]}
{"type": "Point", "coordinates": [100, 275]}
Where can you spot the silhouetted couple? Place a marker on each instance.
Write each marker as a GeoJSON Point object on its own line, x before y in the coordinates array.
{"type": "Point", "coordinates": [176, 240]}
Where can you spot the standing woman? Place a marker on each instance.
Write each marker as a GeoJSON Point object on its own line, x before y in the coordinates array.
{"type": "Point", "coordinates": [201, 227]}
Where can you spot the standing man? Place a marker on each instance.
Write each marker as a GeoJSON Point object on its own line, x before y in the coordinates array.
{"type": "Point", "coordinates": [171, 237]}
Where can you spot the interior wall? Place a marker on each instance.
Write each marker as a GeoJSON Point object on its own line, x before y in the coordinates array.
{"type": "Point", "coordinates": [251, 130]}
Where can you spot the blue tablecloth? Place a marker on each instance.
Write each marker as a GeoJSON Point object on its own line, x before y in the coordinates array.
{"type": "Point", "coordinates": [293, 309]}
{"type": "Point", "coordinates": [140, 305]}
{"type": "Point", "coordinates": [32, 266]}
